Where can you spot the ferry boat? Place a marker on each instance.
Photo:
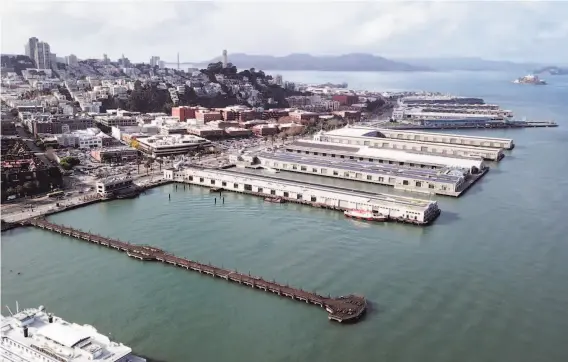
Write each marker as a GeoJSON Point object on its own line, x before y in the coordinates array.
{"type": "Point", "coordinates": [530, 79]}
{"type": "Point", "coordinates": [35, 335]}
{"type": "Point", "coordinates": [365, 215]}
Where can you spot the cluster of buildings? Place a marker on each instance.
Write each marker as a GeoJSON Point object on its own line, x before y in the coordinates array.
{"type": "Point", "coordinates": [441, 111]}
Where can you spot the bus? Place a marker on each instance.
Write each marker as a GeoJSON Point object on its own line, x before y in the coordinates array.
{"type": "Point", "coordinates": [55, 194]}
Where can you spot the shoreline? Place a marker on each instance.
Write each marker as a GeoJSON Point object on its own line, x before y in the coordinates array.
{"type": "Point", "coordinates": [7, 225]}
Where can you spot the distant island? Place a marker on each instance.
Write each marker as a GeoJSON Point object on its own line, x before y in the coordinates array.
{"type": "Point", "coordinates": [346, 62]}
{"type": "Point", "coordinates": [552, 70]}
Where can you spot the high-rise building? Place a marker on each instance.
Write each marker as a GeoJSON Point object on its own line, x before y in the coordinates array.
{"type": "Point", "coordinates": [42, 55]}
{"type": "Point", "coordinates": [278, 80]}
{"type": "Point", "coordinates": [71, 59]}
{"type": "Point", "coordinates": [53, 60]}
{"type": "Point", "coordinates": [154, 61]}
{"type": "Point", "coordinates": [31, 47]}
{"type": "Point", "coordinates": [105, 59]}
{"type": "Point", "coordinates": [225, 59]}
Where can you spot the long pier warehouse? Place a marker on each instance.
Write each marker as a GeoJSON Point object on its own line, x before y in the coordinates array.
{"type": "Point", "coordinates": [370, 137]}
{"type": "Point", "coordinates": [396, 208]}
{"type": "Point", "coordinates": [341, 309]}
{"type": "Point", "coordinates": [444, 138]}
{"type": "Point", "coordinates": [385, 156]}
{"type": "Point", "coordinates": [450, 182]}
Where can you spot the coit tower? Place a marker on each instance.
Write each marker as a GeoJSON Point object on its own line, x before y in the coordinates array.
{"type": "Point", "coordinates": [225, 58]}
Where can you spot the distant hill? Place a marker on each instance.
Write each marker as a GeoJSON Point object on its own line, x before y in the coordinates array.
{"type": "Point", "coordinates": [552, 70]}
{"type": "Point", "coordinates": [469, 63]}
{"type": "Point", "coordinates": [346, 62]}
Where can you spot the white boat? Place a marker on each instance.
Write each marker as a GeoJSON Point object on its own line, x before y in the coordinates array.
{"type": "Point", "coordinates": [34, 335]}
{"type": "Point", "coordinates": [365, 215]}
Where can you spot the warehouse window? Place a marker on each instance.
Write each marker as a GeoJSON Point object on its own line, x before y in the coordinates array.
{"type": "Point", "coordinates": [335, 173]}
{"type": "Point", "coordinates": [358, 175]}
{"type": "Point", "coordinates": [418, 184]}
{"type": "Point", "coordinates": [259, 189]}
{"type": "Point", "coordinates": [381, 179]}
{"type": "Point", "coordinates": [212, 182]}
{"type": "Point", "coordinates": [314, 199]}
{"type": "Point", "coordinates": [286, 194]}
{"type": "Point", "coordinates": [248, 187]}
{"type": "Point", "coordinates": [430, 186]}
{"type": "Point", "coordinates": [273, 192]}
{"type": "Point", "coordinates": [314, 170]}
{"type": "Point", "coordinates": [405, 182]}
{"type": "Point", "coordinates": [369, 177]}
{"type": "Point", "coordinates": [201, 179]}
{"type": "Point", "coordinates": [303, 168]}
{"type": "Point", "coordinates": [190, 178]}
{"type": "Point", "coordinates": [223, 183]}
{"type": "Point", "coordinates": [299, 196]}
{"type": "Point", "coordinates": [346, 174]}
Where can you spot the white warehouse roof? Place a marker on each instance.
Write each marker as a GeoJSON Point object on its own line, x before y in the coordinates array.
{"type": "Point", "coordinates": [352, 132]}
{"type": "Point", "coordinates": [413, 157]}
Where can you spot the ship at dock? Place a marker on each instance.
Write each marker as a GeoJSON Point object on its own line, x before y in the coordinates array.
{"type": "Point", "coordinates": [35, 335]}
{"type": "Point", "coordinates": [530, 79]}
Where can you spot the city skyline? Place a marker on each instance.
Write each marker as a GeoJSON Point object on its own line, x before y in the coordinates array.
{"type": "Point", "coordinates": [518, 31]}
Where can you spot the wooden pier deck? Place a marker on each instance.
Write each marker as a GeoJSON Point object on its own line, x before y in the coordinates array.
{"type": "Point", "coordinates": [341, 309]}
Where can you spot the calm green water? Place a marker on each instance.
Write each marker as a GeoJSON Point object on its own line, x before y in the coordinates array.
{"type": "Point", "coordinates": [487, 282]}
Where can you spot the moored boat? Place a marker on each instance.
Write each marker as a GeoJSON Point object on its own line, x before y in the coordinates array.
{"type": "Point", "coordinates": [365, 215]}
{"type": "Point", "coordinates": [277, 200]}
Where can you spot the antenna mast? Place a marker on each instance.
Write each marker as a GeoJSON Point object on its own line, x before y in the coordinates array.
{"type": "Point", "coordinates": [9, 310]}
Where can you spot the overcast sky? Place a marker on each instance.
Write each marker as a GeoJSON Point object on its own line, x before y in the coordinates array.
{"type": "Point", "coordinates": [513, 30]}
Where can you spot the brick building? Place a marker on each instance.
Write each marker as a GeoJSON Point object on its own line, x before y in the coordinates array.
{"type": "Point", "coordinates": [183, 113]}
{"type": "Point", "coordinates": [351, 116]}
{"type": "Point", "coordinates": [345, 100]}
{"type": "Point", "coordinates": [208, 116]}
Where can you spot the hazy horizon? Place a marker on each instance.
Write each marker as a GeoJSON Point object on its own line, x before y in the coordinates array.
{"type": "Point", "coordinates": [512, 31]}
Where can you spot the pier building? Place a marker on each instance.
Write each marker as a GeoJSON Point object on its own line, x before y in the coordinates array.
{"type": "Point", "coordinates": [386, 156]}
{"type": "Point", "coordinates": [110, 186]}
{"type": "Point", "coordinates": [446, 138]}
{"type": "Point", "coordinates": [450, 182]}
{"type": "Point", "coordinates": [397, 208]}
{"type": "Point", "coordinates": [372, 138]}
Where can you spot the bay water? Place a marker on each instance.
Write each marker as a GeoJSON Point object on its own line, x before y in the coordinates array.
{"type": "Point", "coordinates": [486, 282]}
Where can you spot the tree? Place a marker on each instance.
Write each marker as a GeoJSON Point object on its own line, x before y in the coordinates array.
{"type": "Point", "coordinates": [19, 189]}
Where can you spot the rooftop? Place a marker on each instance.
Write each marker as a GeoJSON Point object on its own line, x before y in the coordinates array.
{"type": "Point", "coordinates": [352, 132]}
{"type": "Point", "coordinates": [388, 154]}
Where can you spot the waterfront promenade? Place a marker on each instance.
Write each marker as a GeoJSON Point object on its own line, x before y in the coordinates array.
{"type": "Point", "coordinates": [348, 308]}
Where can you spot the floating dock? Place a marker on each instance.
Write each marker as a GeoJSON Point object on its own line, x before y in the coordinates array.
{"type": "Point", "coordinates": [446, 138]}
{"type": "Point", "coordinates": [427, 181]}
{"type": "Point", "coordinates": [348, 308]}
{"type": "Point", "coordinates": [404, 158]}
{"type": "Point", "coordinates": [360, 136]}
{"type": "Point", "coordinates": [395, 208]}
